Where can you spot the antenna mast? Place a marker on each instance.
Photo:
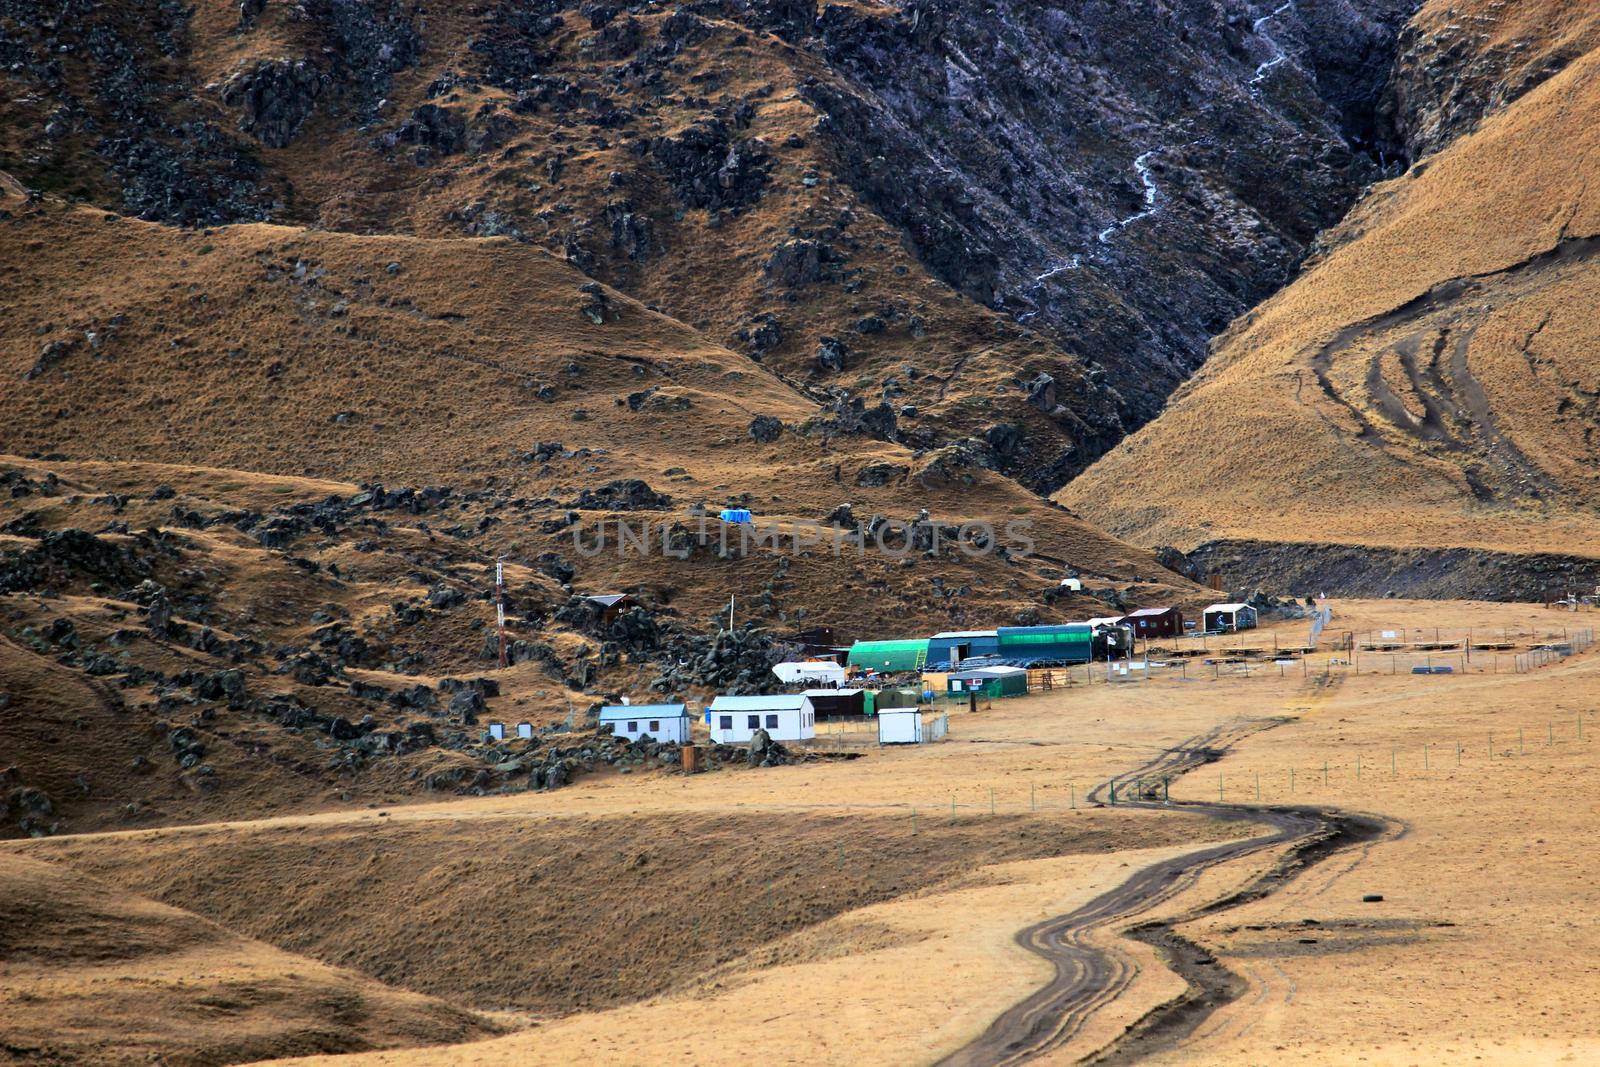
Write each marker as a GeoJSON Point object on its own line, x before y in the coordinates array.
{"type": "Point", "coordinates": [500, 606]}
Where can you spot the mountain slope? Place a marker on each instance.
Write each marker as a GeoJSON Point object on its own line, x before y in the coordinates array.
{"type": "Point", "coordinates": [257, 479]}
{"type": "Point", "coordinates": [293, 352]}
{"type": "Point", "coordinates": [1018, 222]}
{"type": "Point", "coordinates": [1428, 382]}
{"type": "Point", "coordinates": [97, 975]}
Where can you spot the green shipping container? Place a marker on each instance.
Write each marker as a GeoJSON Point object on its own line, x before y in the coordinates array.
{"type": "Point", "coordinates": [899, 698]}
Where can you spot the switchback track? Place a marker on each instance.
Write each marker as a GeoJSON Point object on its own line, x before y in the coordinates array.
{"type": "Point", "coordinates": [1087, 976]}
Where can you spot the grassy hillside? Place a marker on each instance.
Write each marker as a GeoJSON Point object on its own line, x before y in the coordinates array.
{"type": "Point", "coordinates": [306, 451]}
{"type": "Point", "coordinates": [98, 975]}
{"type": "Point", "coordinates": [1429, 381]}
{"type": "Point", "coordinates": [835, 190]}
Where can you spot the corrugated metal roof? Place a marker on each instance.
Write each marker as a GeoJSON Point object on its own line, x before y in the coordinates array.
{"type": "Point", "coordinates": [1229, 607]}
{"type": "Point", "coordinates": [776, 702]}
{"type": "Point", "coordinates": [1145, 613]}
{"type": "Point", "coordinates": [987, 672]}
{"type": "Point", "coordinates": [967, 633]}
{"type": "Point", "coordinates": [607, 599]}
{"type": "Point", "coordinates": [614, 712]}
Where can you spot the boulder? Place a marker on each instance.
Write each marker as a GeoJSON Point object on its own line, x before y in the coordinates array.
{"type": "Point", "coordinates": [766, 428]}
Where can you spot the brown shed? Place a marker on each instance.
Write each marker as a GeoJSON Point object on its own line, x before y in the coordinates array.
{"type": "Point", "coordinates": [607, 606]}
{"type": "Point", "coordinates": [1155, 622]}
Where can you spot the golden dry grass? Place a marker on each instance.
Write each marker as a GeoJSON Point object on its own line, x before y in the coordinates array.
{"type": "Point", "coordinates": [96, 975]}
{"type": "Point", "coordinates": [908, 952]}
{"type": "Point", "coordinates": [504, 916]}
{"type": "Point", "coordinates": [298, 355]}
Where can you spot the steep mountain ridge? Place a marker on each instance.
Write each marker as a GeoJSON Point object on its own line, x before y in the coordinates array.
{"type": "Point", "coordinates": [1428, 382]}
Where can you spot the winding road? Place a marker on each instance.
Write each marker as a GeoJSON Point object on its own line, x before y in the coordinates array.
{"type": "Point", "coordinates": [1088, 976]}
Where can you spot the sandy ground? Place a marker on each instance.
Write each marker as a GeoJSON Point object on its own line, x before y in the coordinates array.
{"type": "Point", "coordinates": [1480, 948]}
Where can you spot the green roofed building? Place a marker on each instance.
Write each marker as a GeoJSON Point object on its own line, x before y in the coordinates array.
{"type": "Point", "coordinates": [988, 682]}
{"type": "Point", "coordinates": [891, 657]}
{"type": "Point", "coordinates": [1023, 646]}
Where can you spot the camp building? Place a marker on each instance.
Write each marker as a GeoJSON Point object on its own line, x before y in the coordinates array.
{"type": "Point", "coordinates": [949, 649]}
{"type": "Point", "coordinates": [784, 716]}
{"type": "Point", "coordinates": [668, 723]}
{"type": "Point", "coordinates": [988, 682]}
{"type": "Point", "coordinates": [1155, 622]}
{"type": "Point", "coordinates": [1026, 645]}
{"type": "Point", "coordinates": [889, 657]}
{"type": "Point", "coordinates": [1230, 618]}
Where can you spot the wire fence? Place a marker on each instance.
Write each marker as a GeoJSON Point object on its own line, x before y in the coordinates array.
{"type": "Point", "coordinates": [1454, 757]}
{"type": "Point", "coordinates": [1263, 663]}
{"type": "Point", "coordinates": [1373, 639]}
{"type": "Point", "coordinates": [862, 732]}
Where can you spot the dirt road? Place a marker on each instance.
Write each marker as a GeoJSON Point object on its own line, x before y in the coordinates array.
{"type": "Point", "coordinates": [1088, 976]}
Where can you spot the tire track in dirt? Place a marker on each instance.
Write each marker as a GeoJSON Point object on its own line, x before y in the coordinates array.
{"type": "Point", "coordinates": [1087, 976]}
{"type": "Point", "coordinates": [1448, 391]}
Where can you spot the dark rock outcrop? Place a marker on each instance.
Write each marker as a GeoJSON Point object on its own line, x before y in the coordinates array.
{"type": "Point", "coordinates": [275, 98]}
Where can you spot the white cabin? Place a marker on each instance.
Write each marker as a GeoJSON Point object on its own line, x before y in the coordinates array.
{"type": "Point", "coordinates": [667, 723]}
{"type": "Point", "coordinates": [785, 717]}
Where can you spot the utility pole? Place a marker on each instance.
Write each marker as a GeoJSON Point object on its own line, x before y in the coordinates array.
{"type": "Point", "coordinates": [730, 613]}
{"type": "Point", "coordinates": [500, 607]}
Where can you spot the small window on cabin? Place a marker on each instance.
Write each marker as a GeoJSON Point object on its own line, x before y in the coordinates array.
{"type": "Point", "coordinates": [755, 722]}
{"type": "Point", "coordinates": [772, 722]}
{"type": "Point", "coordinates": [655, 726]}
{"type": "Point", "coordinates": [633, 727]}
{"type": "Point", "coordinates": [727, 722]}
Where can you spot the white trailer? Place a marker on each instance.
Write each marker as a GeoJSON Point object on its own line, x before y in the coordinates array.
{"type": "Point", "coordinates": [812, 672]}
